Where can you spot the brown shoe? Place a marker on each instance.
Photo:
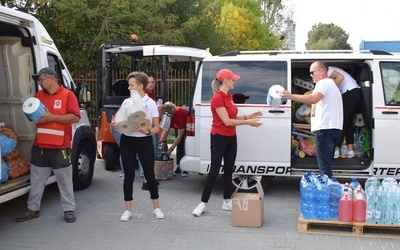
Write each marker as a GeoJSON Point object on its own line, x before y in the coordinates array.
{"type": "Point", "coordinates": [69, 216]}
{"type": "Point", "coordinates": [27, 215]}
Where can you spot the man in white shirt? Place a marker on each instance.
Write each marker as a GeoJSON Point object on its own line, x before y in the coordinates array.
{"type": "Point", "coordinates": [326, 114]}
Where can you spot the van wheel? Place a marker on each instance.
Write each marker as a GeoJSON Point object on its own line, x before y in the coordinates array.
{"type": "Point", "coordinates": [83, 165]}
{"type": "Point", "coordinates": [246, 182]}
{"type": "Point", "coordinates": [109, 157]}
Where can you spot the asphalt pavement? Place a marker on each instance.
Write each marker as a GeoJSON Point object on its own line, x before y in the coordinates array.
{"type": "Point", "coordinates": [99, 207]}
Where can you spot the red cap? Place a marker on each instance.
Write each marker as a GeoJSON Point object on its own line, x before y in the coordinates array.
{"type": "Point", "coordinates": [225, 74]}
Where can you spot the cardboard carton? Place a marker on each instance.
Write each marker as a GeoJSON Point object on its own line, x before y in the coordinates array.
{"type": "Point", "coordinates": [248, 208]}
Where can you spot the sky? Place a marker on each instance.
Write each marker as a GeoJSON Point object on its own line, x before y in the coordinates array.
{"type": "Point", "coordinates": [369, 20]}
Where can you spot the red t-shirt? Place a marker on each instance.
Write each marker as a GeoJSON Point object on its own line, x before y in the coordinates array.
{"type": "Point", "coordinates": [178, 121]}
{"type": "Point", "coordinates": [220, 99]}
{"type": "Point", "coordinates": [150, 94]}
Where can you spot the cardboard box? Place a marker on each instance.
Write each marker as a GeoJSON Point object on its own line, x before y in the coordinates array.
{"type": "Point", "coordinates": [248, 208]}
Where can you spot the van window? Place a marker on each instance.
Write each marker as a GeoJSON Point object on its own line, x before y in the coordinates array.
{"type": "Point", "coordinates": [256, 77]}
{"type": "Point", "coordinates": [62, 73]}
{"type": "Point", "coordinates": [391, 82]}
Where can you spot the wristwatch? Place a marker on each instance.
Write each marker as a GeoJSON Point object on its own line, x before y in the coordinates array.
{"type": "Point", "coordinates": [148, 132]}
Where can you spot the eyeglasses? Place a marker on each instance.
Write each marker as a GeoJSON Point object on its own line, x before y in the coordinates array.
{"type": "Point", "coordinates": [313, 72]}
{"type": "Point", "coordinates": [42, 80]}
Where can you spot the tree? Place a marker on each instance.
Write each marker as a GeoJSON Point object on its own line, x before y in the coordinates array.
{"type": "Point", "coordinates": [279, 18]}
{"type": "Point", "coordinates": [80, 27]}
{"type": "Point", "coordinates": [327, 37]}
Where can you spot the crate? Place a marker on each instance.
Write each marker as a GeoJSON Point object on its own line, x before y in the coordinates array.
{"type": "Point", "coordinates": [339, 228]}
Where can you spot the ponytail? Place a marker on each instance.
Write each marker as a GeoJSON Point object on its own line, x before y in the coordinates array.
{"type": "Point", "coordinates": [215, 85]}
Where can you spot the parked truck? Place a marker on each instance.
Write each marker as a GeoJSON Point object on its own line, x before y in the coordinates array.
{"type": "Point", "coordinates": [25, 48]}
{"type": "Point", "coordinates": [387, 46]}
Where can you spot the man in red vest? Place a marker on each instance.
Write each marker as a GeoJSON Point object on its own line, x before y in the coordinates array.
{"type": "Point", "coordinates": [51, 150]}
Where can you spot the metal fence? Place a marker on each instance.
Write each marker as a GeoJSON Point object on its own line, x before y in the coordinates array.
{"type": "Point", "coordinates": [178, 82]}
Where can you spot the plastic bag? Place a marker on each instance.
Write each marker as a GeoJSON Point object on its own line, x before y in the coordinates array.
{"type": "Point", "coordinates": [4, 171]}
{"type": "Point", "coordinates": [307, 147]}
{"type": "Point", "coordinates": [7, 145]}
{"type": "Point", "coordinates": [131, 113]}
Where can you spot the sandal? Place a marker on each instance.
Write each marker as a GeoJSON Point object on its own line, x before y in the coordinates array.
{"type": "Point", "coordinates": [69, 216]}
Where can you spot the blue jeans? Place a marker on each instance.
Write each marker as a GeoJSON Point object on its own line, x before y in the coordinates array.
{"type": "Point", "coordinates": [326, 140]}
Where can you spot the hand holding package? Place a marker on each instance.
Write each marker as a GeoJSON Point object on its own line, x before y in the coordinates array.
{"type": "Point", "coordinates": [131, 113]}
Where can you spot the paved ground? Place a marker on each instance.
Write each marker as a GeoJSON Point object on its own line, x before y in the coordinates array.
{"type": "Point", "coordinates": [100, 206]}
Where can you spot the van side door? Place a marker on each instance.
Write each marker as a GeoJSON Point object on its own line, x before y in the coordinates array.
{"type": "Point", "coordinates": [386, 113]}
{"type": "Point", "coordinates": [264, 150]}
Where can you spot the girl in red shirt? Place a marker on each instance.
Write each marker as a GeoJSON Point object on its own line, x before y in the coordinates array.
{"type": "Point", "coordinates": [223, 137]}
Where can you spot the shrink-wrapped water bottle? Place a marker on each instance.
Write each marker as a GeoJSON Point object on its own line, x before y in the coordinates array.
{"type": "Point", "coordinates": [359, 206]}
{"type": "Point", "coordinates": [335, 193]}
{"type": "Point", "coordinates": [346, 207]}
{"type": "Point", "coordinates": [371, 194]}
{"type": "Point", "coordinates": [307, 200]}
{"type": "Point", "coordinates": [380, 206]}
{"type": "Point", "coordinates": [354, 185]}
{"type": "Point", "coordinates": [390, 213]}
{"type": "Point", "coordinates": [322, 200]}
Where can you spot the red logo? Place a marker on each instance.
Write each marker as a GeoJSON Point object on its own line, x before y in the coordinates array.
{"type": "Point", "coordinates": [57, 104]}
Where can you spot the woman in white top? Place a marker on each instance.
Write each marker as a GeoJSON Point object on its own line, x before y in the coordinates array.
{"type": "Point", "coordinates": [140, 143]}
{"type": "Point", "coordinates": [351, 95]}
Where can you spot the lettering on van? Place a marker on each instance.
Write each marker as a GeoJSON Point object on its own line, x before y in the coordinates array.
{"type": "Point", "coordinates": [386, 171]}
{"type": "Point", "coordinates": [262, 170]}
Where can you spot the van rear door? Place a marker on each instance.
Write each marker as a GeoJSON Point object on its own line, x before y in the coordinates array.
{"type": "Point", "coordinates": [386, 113]}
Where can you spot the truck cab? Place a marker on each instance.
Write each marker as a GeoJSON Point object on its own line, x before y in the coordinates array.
{"type": "Point", "coordinates": [272, 149]}
{"type": "Point", "coordinates": [115, 61]}
{"type": "Point", "coordinates": [25, 48]}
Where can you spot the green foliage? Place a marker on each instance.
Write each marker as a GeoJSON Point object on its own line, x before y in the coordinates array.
{"type": "Point", "coordinates": [79, 27]}
{"type": "Point", "coordinates": [327, 37]}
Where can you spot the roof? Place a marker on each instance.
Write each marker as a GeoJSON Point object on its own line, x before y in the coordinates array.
{"type": "Point", "coordinates": [174, 53]}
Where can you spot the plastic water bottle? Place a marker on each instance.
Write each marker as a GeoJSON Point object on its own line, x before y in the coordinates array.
{"type": "Point", "coordinates": [380, 205]}
{"type": "Point", "coordinates": [390, 204]}
{"type": "Point", "coordinates": [307, 199]}
{"type": "Point", "coordinates": [322, 200]}
{"type": "Point", "coordinates": [397, 220]}
{"type": "Point", "coordinates": [371, 198]}
{"type": "Point", "coordinates": [354, 184]}
{"type": "Point", "coordinates": [359, 206]}
{"type": "Point", "coordinates": [371, 195]}
{"type": "Point", "coordinates": [346, 207]}
{"type": "Point", "coordinates": [335, 193]}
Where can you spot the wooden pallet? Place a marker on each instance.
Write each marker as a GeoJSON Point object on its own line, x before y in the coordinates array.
{"type": "Point", "coordinates": [335, 227]}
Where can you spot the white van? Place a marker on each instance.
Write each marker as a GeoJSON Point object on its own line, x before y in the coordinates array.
{"type": "Point", "coordinates": [268, 151]}
{"type": "Point", "coordinates": [25, 48]}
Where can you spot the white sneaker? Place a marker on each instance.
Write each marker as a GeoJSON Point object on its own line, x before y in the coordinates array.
{"type": "Point", "coordinates": [227, 206]}
{"type": "Point", "coordinates": [336, 155]}
{"type": "Point", "coordinates": [350, 153]}
{"type": "Point", "coordinates": [126, 216]}
{"type": "Point", "coordinates": [201, 208]}
{"type": "Point", "coordinates": [158, 213]}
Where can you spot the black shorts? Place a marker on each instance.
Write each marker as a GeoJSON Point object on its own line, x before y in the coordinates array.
{"type": "Point", "coordinates": [54, 158]}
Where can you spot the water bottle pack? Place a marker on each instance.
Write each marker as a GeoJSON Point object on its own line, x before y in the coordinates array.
{"type": "Point", "coordinates": [325, 198]}
{"type": "Point", "coordinates": [383, 201]}
{"type": "Point", "coordinates": [315, 198]}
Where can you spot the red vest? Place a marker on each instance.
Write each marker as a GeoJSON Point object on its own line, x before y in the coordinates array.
{"type": "Point", "coordinates": [53, 132]}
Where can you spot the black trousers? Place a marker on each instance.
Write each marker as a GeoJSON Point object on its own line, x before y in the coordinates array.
{"type": "Point", "coordinates": [221, 147]}
{"type": "Point", "coordinates": [351, 100]}
{"type": "Point", "coordinates": [143, 148]}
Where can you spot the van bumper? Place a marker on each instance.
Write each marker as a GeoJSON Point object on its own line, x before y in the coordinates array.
{"type": "Point", "coordinates": [190, 163]}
